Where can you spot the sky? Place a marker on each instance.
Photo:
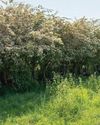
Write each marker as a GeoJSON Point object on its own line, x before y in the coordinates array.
{"type": "Point", "coordinates": [70, 8]}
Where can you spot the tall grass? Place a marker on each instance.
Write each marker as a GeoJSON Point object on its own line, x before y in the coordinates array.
{"type": "Point", "coordinates": [65, 102]}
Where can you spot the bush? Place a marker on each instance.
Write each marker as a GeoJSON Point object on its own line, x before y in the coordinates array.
{"type": "Point", "coordinates": [45, 44]}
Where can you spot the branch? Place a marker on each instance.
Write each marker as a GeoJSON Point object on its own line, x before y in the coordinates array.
{"type": "Point", "coordinates": [6, 1]}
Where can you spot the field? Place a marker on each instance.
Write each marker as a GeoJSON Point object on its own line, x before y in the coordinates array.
{"type": "Point", "coordinates": [62, 103]}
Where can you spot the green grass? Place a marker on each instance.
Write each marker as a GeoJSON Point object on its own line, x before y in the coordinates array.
{"type": "Point", "coordinates": [64, 103]}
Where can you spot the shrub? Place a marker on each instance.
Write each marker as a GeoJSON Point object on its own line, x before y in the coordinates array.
{"type": "Point", "coordinates": [37, 44]}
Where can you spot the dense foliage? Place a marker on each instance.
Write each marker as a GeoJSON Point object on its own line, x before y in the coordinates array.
{"type": "Point", "coordinates": [35, 44]}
